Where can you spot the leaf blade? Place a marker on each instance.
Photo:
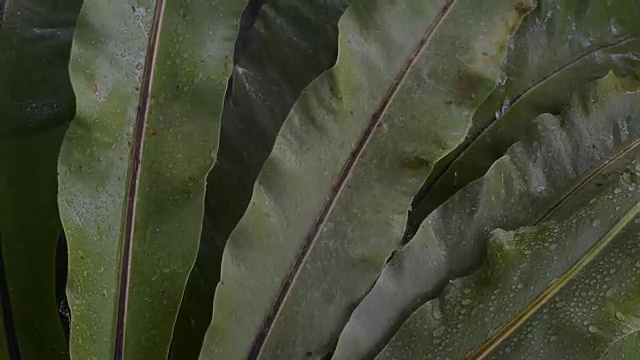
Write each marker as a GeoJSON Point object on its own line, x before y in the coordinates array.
{"type": "Point", "coordinates": [528, 184]}
{"type": "Point", "coordinates": [342, 178]}
{"type": "Point", "coordinates": [134, 163]}
{"type": "Point", "coordinates": [36, 104]}
{"type": "Point", "coordinates": [544, 267]}
{"type": "Point", "coordinates": [603, 39]}
{"type": "Point", "coordinates": [289, 44]}
{"type": "Point", "coordinates": [325, 112]}
{"type": "Point", "coordinates": [508, 329]}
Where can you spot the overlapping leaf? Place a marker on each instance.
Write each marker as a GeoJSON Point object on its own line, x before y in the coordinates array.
{"type": "Point", "coordinates": [561, 46]}
{"type": "Point", "coordinates": [150, 78]}
{"type": "Point", "coordinates": [330, 204]}
{"type": "Point", "coordinates": [560, 290]}
{"type": "Point", "coordinates": [36, 104]}
{"type": "Point", "coordinates": [549, 175]}
{"type": "Point", "coordinates": [282, 46]}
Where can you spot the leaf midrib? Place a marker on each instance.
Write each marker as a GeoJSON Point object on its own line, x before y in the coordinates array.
{"type": "Point", "coordinates": [344, 175]}
{"type": "Point", "coordinates": [133, 178]}
{"type": "Point", "coordinates": [505, 331]}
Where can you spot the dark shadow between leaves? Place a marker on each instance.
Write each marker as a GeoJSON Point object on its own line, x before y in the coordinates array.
{"type": "Point", "coordinates": [281, 47]}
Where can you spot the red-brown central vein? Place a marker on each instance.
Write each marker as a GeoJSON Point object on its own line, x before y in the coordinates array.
{"type": "Point", "coordinates": [134, 177]}
{"type": "Point", "coordinates": [343, 177]}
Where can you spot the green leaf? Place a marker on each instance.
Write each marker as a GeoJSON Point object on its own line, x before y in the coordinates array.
{"type": "Point", "coordinates": [150, 78]}
{"type": "Point", "coordinates": [36, 104]}
{"type": "Point", "coordinates": [549, 175]}
{"type": "Point", "coordinates": [35, 36]}
{"type": "Point", "coordinates": [560, 47]}
{"type": "Point", "coordinates": [560, 290]}
{"type": "Point", "coordinates": [288, 44]}
{"type": "Point", "coordinates": [30, 228]}
{"type": "Point", "coordinates": [330, 203]}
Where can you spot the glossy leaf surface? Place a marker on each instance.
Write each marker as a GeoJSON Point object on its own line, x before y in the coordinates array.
{"type": "Point", "coordinates": [560, 290]}
{"type": "Point", "coordinates": [547, 176]}
{"type": "Point", "coordinates": [330, 203]}
{"type": "Point", "coordinates": [150, 78]}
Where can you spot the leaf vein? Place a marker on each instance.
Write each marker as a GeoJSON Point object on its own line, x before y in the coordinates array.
{"type": "Point", "coordinates": [134, 178]}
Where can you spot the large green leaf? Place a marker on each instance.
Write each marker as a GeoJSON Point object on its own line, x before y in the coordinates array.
{"type": "Point", "coordinates": [282, 46]}
{"type": "Point", "coordinates": [36, 104]}
{"type": "Point", "coordinates": [549, 175]}
{"type": "Point", "coordinates": [560, 47]}
{"type": "Point", "coordinates": [560, 290]}
{"type": "Point", "coordinates": [330, 203]}
{"type": "Point", "coordinates": [150, 77]}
